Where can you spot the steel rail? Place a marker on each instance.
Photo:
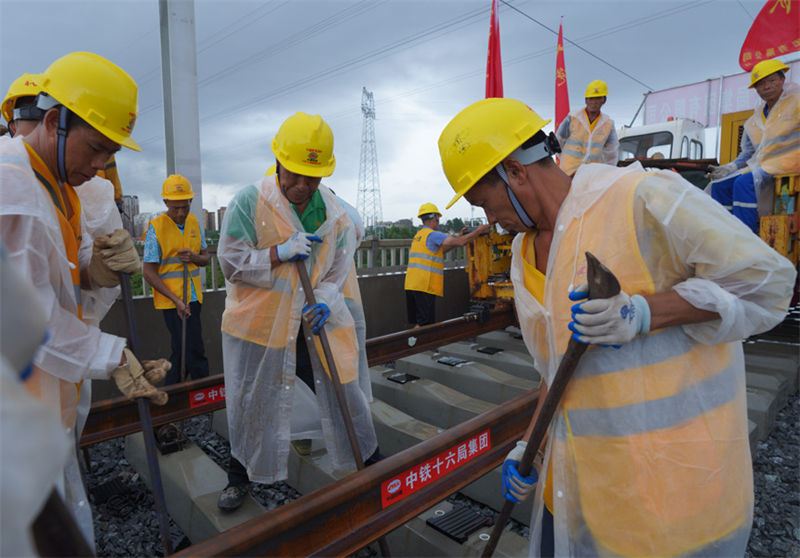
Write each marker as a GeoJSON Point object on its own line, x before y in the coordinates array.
{"type": "Point", "coordinates": [346, 515]}
{"type": "Point", "coordinates": [113, 418]}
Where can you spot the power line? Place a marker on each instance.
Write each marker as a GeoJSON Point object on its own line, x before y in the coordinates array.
{"type": "Point", "coordinates": [537, 22]}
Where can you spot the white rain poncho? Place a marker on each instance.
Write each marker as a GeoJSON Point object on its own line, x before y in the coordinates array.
{"type": "Point", "coordinates": [74, 351]}
{"type": "Point", "coordinates": [33, 445]}
{"type": "Point", "coordinates": [650, 441]}
{"type": "Point", "coordinates": [260, 325]}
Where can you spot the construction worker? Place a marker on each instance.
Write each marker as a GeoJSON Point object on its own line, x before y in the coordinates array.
{"type": "Point", "coordinates": [273, 379]}
{"type": "Point", "coordinates": [88, 108]}
{"type": "Point", "coordinates": [99, 214]}
{"type": "Point", "coordinates": [770, 146]}
{"type": "Point", "coordinates": [648, 450]}
{"type": "Point", "coordinates": [174, 251]}
{"type": "Point", "coordinates": [425, 271]}
{"type": "Point", "coordinates": [587, 135]}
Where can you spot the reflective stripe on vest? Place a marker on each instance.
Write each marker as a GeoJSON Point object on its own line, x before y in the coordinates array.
{"type": "Point", "coordinates": [170, 269]}
{"type": "Point", "coordinates": [584, 145]}
{"type": "Point", "coordinates": [70, 227]}
{"type": "Point", "coordinates": [777, 140]}
{"type": "Point", "coordinates": [655, 455]}
{"type": "Point", "coordinates": [425, 271]}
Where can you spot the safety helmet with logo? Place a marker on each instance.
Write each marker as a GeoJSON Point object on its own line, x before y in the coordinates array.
{"type": "Point", "coordinates": [97, 90]}
{"type": "Point", "coordinates": [26, 85]}
{"type": "Point", "coordinates": [304, 145]}
{"type": "Point", "coordinates": [481, 136]}
{"type": "Point", "coordinates": [766, 68]}
{"type": "Point", "coordinates": [427, 209]}
{"type": "Point", "coordinates": [176, 187]}
{"type": "Point", "coordinates": [596, 88]}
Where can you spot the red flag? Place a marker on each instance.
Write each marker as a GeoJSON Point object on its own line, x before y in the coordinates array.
{"type": "Point", "coordinates": [494, 67]}
{"type": "Point", "coordinates": [775, 31]}
{"type": "Point", "coordinates": [562, 93]}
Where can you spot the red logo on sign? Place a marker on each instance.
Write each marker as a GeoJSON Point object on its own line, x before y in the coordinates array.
{"type": "Point", "coordinates": [206, 396]}
{"type": "Point", "coordinates": [419, 476]}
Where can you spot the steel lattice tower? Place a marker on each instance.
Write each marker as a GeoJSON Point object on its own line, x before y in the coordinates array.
{"type": "Point", "coordinates": [369, 189]}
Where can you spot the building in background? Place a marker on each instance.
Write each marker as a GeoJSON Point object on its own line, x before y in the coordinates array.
{"type": "Point", "coordinates": [140, 223]}
{"type": "Point", "coordinates": [130, 209]}
{"type": "Point", "coordinates": [220, 217]}
{"type": "Point", "coordinates": [209, 220]}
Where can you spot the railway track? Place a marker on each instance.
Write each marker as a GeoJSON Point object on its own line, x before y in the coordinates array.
{"type": "Point", "coordinates": [476, 391]}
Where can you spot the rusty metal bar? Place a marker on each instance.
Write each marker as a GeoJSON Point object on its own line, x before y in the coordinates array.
{"type": "Point", "coordinates": [117, 417]}
{"type": "Point", "coordinates": [340, 518]}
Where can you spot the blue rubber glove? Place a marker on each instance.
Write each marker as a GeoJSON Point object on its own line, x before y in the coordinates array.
{"type": "Point", "coordinates": [317, 315]}
{"type": "Point", "coordinates": [608, 321]}
{"type": "Point", "coordinates": [517, 488]}
{"type": "Point", "coordinates": [298, 247]}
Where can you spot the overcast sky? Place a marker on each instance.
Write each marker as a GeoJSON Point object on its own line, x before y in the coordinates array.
{"type": "Point", "coordinates": [260, 62]}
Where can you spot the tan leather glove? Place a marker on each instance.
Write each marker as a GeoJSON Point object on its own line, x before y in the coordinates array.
{"type": "Point", "coordinates": [156, 370]}
{"type": "Point", "coordinates": [132, 382]}
{"type": "Point", "coordinates": [111, 254]}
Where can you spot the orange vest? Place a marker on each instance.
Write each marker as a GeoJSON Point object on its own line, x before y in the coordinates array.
{"type": "Point", "coordinates": [425, 270]}
{"type": "Point", "coordinates": [170, 269]}
{"type": "Point", "coordinates": [585, 142]}
{"type": "Point", "coordinates": [654, 455]}
{"type": "Point", "coordinates": [71, 236]}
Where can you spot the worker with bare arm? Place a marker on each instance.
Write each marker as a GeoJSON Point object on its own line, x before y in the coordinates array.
{"type": "Point", "coordinates": [175, 250]}
{"type": "Point", "coordinates": [87, 110]}
{"type": "Point", "coordinates": [274, 380]}
{"type": "Point", "coordinates": [425, 272]}
{"type": "Point", "coordinates": [588, 135]}
{"type": "Point", "coordinates": [770, 146]}
{"type": "Point", "coordinates": [648, 452]}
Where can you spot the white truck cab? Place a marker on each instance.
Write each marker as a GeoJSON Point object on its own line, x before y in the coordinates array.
{"type": "Point", "coordinates": [678, 138]}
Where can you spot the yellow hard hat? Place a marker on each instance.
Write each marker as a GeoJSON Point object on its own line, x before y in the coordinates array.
{"type": "Point", "coordinates": [304, 145]}
{"type": "Point", "coordinates": [766, 68]}
{"type": "Point", "coordinates": [596, 88]}
{"type": "Point", "coordinates": [427, 208]}
{"type": "Point", "coordinates": [482, 135]}
{"type": "Point", "coordinates": [176, 187]}
{"type": "Point", "coordinates": [26, 85]}
{"type": "Point", "coordinates": [98, 91]}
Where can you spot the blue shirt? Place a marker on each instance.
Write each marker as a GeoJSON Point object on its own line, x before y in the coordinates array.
{"type": "Point", "coordinates": [435, 240]}
{"type": "Point", "coordinates": [152, 250]}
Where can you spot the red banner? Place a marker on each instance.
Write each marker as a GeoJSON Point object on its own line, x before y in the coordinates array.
{"type": "Point", "coordinates": [206, 396]}
{"type": "Point", "coordinates": [562, 93]}
{"type": "Point", "coordinates": [419, 476]}
{"type": "Point", "coordinates": [775, 32]}
{"type": "Point", "coordinates": [494, 66]}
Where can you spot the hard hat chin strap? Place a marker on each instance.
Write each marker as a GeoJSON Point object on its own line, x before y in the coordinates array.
{"type": "Point", "coordinates": [515, 203]}
{"type": "Point", "coordinates": [63, 113]}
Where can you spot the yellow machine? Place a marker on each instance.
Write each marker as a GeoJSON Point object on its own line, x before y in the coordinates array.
{"type": "Point", "coordinates": [780, 229]}
{"type": "Point", "coordinates": [488, 264]}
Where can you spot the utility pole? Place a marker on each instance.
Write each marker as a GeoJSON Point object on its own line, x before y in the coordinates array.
{"type": "Point", "coordinates": [368, 200]}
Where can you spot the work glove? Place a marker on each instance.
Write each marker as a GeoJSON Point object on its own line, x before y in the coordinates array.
{"type": "Point", "coordinates": [517, 488]}
{"type": "Point", "coordinates": [298, 247]}
{"type": "Point", "coordinates": [608, 321]}
{"type": "Point", "coordinates": [156, 370]}
{"type": "Point", "coordinates": [112, 254]}
{"type": "Point", "coordinates": [132, 381]}
{"type": "Point", "coordinates": [716, 172]}
{"type": "Point", "coordinates": [316, 315]}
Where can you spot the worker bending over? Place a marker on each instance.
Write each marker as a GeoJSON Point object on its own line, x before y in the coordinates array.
{"type": "Point", "coordinates": [770, 146]}
{"type": "Point", "coordinates": [273, 379]}
{"type": "Point", "coordinates": [88, 108]}
{"type": "Point", "coordinates": [425, 271]}
{"type": "Point", "coordinates": [587, 135]}
{"type": "Point", "coordinates": [174, 251]}
{"type": "Point", "coordinates": [648, 452]}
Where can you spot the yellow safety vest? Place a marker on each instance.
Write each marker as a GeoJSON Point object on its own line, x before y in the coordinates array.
{"type": "Point", "coordinates": [258, 315]}
{"type": "Point", "coordinates": [777, 140]}
{"type": "Point", "coordinates": [655, 458]}
{"type": "Point", "coordinates": [585, 142]}
{"type": "Point", "coordinates": [425, 272]}
{"type": "Point", "coordinates": [170, 268]}
{"type": "Point", "coordinates": [37, 384]}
